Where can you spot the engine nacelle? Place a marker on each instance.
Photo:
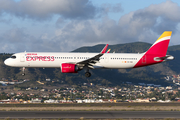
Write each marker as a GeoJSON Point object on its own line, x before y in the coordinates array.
{"type": "Point", "coordinates": [69, 68]}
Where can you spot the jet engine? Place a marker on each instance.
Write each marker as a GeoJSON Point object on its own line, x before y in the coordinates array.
{"type": "Point", "coordinates": [69, 68]}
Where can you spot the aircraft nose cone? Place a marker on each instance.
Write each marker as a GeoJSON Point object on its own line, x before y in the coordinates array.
{"type": "Point", "coordinates": [6, 62]}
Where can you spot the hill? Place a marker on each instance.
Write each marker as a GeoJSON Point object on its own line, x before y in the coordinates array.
{"type": "Point", "coordinates": [151, 74]}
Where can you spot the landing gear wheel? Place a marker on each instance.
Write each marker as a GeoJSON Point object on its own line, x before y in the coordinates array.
{"type": "Point", "coordinates": [88, 74]}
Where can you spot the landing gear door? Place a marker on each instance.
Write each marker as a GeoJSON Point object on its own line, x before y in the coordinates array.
{"type": "Point", "coordinates": [22, 59]}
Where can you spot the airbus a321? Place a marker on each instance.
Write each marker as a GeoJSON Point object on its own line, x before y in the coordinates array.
{"type": "Point", "coordinates": [74, 62]}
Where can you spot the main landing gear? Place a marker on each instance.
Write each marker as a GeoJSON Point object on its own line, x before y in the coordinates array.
{"type": "Point", "coordinates": [23, 74]}
{"type": "Point", "coordinates": [88, 74]}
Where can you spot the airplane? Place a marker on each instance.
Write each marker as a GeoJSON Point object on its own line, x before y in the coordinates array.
{"type": "Point", "coordinates": [108, 51]}
{"type": "Point", "coordinates": [74, 62]}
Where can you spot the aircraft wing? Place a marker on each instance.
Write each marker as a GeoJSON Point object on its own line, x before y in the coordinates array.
{"type": "Point", "coordinates": [93, 60]}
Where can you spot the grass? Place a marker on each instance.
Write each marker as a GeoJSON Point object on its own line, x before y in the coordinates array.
{"type": "Point", "coordinates": [94, 108]}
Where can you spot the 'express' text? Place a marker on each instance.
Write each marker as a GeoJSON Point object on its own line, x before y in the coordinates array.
{"type": "Point", "coordinates": [39, 58]}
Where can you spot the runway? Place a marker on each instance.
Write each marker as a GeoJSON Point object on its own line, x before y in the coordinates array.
{"type": "Point", "coordinates": [89, 114]}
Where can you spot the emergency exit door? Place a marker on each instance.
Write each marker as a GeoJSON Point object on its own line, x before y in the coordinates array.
{"type": "Point", "coordinates": [22, 59]}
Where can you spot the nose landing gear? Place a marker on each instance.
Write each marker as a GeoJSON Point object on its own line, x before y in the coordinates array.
{"type": "Point", "coordinates": [23, 74]}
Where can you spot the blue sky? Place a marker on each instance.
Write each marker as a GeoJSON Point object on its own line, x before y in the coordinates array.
{"type": "Point", "coordinates": [64, 25]}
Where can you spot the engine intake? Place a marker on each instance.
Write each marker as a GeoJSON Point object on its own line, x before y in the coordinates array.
{"type": "Point", "coordinates": [69, 68]}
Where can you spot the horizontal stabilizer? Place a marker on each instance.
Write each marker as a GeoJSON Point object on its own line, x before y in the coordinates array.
{"type": "Point", "coordinates": [165, 58]}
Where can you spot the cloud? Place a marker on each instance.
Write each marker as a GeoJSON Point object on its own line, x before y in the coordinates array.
{"type": "Point", "coordinates": [60, 22]}
{"type": "Point", "coordinates": [155, 18]}
{"type": "Point", "coordinates": [86, 32]}
{"type": "Point", "coordinates": [107, 8]}
{"type": "Point", "coordinates": [73, 35]}
{"type": "Point", "coordinates": [117, 8]}
{"type": "Point", "coordinates": [5, 21]}
{"type": "Point", "coordinates": [15, 40]}
{"type": "Point", "coordinates": [143, 25]}
{"type": "Point", "coordinates": [45, 9]}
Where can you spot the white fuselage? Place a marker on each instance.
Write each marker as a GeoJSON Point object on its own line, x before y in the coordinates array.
{"type": "Point", "coordinates": [54, 60]}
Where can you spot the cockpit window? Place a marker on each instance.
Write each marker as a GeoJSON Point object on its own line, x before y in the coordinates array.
{"type": "Point", "coordinates": [13, 57]}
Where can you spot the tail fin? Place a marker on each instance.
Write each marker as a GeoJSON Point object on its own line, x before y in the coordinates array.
{"type": "Point", "coordinates": [157, 52]}
{"type": "Point", "coordinates": [161, 45]}
{"type": "Point", "coordinates": [108, 51]}
{"type": "Point", "coordinates": [104, 49]}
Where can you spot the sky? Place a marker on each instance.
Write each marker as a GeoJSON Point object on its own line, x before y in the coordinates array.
{"type": "Point", "coordinates": [65, 25]}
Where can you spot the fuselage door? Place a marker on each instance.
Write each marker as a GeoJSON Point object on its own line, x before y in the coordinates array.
{"type": "Point", "coordinates": [144, 59]}
{"type": "Point", "coordinates": [22, 59]}
{"type": "Point", "coordinates": [106, 59]}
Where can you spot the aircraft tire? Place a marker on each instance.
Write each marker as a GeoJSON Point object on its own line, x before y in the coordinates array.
{"type": "Point", "coordinates": [88, 74]}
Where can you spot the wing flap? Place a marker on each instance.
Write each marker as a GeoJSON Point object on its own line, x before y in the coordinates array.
{"type": "Point", "coordinates": [93, 60]}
